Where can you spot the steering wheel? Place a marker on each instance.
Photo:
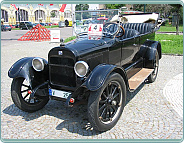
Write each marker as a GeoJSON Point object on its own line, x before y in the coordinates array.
{"type": "Point", "coordinates": [122, 32]}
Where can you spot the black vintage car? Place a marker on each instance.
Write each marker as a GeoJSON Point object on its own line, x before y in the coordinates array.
{"type": "Point", "coordinates": [98, 72]}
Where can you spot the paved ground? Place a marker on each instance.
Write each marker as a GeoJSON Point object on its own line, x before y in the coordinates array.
{"type": "Point", "coordinates": [149, 114]}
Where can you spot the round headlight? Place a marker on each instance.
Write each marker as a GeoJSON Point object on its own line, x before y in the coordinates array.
{"type": "Point", "coordinates": [38, 64]}
{"type": "Point", "coordinates": [81, 68]}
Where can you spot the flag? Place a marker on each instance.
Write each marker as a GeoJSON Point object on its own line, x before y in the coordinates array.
{"type": "Point", "coordinates": [40, 4]}
{"type": "Point", "coordinates": [14, 6]}
{"type": "Point", "coordinates": [51, 4]}
{"type": "Point", "coordinates": [62, 7]}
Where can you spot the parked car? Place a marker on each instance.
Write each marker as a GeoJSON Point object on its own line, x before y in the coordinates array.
{"type": "Point", "coordinates": [98, 72]}
{"type": "Point", "coordinates": [34, 24]}
{"type": "Point", "coordinates": [48, 24]}
{"type": "Point", "coordinates": [54, 23]}
{"type": "Point", "coordinates": [12, 26]}
{"type": "Point", "coordinates": [43, 24]}
{"type": "Point", "coordinates": [6, 27]}
{"type": "Point", "coordinates": [26, 25]}
{"type": "Point", "coordinates": [17, 26]}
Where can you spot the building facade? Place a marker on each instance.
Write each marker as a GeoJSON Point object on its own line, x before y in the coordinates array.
{"type": "Point", "coordinates": [34, 13]}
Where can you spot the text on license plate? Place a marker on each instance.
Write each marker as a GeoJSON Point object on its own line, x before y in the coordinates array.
{"type": "Point", "coordinates": [59, 93]}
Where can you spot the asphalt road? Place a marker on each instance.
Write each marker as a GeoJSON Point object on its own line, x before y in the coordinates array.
{"type": "Point", "coordinates": [14, 35]}
{"type": "Point", "coordinates": [148, 114]}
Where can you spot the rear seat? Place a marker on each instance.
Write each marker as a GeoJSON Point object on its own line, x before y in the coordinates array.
{"type": "Point", "coordinates": [142, 28]}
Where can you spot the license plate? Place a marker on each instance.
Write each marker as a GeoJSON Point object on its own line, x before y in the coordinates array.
{"type": "Point", "coordinates": [59, 93]}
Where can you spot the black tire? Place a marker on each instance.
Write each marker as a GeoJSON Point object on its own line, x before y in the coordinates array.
{"type": "Point", "coordinates": [21, 98]}
{"type": "Point", "coordinates": [152, 77]}
{"type": "Point", "coordinates": [106, 105]}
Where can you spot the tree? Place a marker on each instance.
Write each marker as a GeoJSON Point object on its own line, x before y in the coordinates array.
{"type": "Point", "coordinates": [138, 7]}
{"type": "Point", "coordinates": [52, 14]}
{"type": "Point", "coordinates": [82, 15]}
{"type": "Point", "coordinates": [80, 7]}
{"type": "Point", "coordinates": [163, 9]}
{"type": "Point", "coordinates": [177, 8]}
{"type": "Point", "coordinates": [114, 6]}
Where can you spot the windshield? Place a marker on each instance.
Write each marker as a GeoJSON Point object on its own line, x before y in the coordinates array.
{"type": "Point", "coordinates": [98, 21]}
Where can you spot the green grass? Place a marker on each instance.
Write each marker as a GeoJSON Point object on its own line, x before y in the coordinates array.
{"type": "Point", "coordinates": [171, 44]}
{"type": "Point", "coordinates": [69, 39]}
{"type": "Point", "coordinates": [53, 26]}
{"type": "Point", "coordinates": [15, 29]}
{"type": "Point", "coordinates": [170, 29]}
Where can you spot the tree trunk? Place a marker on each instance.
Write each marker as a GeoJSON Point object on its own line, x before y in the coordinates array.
{"type": "Point", "coordinates": [177, 24]}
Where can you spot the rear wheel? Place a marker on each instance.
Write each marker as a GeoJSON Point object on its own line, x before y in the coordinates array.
{"type": "Point", "coordinates": [153, 75]}
{"type": "Point", "coordinates": [105, 106]}
{"type": "Point", "coordinates": [21, 96]}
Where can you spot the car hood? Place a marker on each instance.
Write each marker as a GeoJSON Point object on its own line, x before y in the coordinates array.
{"type": "Point", "coordinates": [84, 46]}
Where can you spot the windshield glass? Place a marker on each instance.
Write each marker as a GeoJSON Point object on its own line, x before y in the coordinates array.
{"type": "Point", "coordinates": [98, 20]}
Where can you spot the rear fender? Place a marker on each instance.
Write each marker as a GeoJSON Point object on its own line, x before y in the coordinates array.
{"type": "Point", "coordinates": [23, 68]}
{"type": "Point", "coordinates": [99, 75]}
{"type": "Point", "coordinates": [152, 48]}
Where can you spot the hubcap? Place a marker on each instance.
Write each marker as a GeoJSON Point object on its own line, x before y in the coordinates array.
{"type": "Point", "coordinates": [26, 93]}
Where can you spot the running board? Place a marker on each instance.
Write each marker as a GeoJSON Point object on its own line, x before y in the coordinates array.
{"type": "Point", "coordinates": [139, 78]}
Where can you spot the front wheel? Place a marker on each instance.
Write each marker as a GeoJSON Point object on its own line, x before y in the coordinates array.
{"type": "Point", "coordinates": [20, 93]}
{"type": "Point", "coordinates": [106, 105]}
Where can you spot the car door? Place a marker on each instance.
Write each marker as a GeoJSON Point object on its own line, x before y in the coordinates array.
{"type": "Point", "coordinates": [115, 52]}
{"type": "Point", "coordinates": [130, 47]}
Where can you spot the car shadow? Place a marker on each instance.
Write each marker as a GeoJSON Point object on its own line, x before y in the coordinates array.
{"type": "Point", "coordinates": [74, 119]}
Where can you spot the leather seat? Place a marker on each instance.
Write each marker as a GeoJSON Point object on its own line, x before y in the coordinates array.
{"type": "Point", "coordinates": [129, 33]}
{"type": "Point", "coordinates": [142, 28]}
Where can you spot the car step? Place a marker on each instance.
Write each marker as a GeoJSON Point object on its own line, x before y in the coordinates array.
{"type": "Point", "coordinates": [139, 78]}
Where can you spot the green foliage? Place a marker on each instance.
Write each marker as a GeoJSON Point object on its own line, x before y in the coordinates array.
{"type": "Point", "coordinates": [138, 7]}
{"type": "Point", "coordinates": [69, 39]}
{"type": "Point", "coordinates": [171, 44]}
{"type": "Point", "coordinates": [179, 10]}
{"type": "Point", "coordinates": [52, 14]}
{"type": "Point", "coordinates": [80, 7]}
{"type": "Point", "coordinates": [114, 6]}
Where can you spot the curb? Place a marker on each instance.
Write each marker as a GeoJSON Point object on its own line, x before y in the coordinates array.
{"type": "Point", "coordinates": [171, 54]}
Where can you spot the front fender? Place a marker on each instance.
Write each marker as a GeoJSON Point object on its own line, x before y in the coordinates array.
{"type": "Point", "coordinates": [99, 75]}
{"type": "Point", "coordinates": [23, 68]}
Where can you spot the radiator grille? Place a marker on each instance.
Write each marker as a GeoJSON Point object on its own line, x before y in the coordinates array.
{"type": "Point", "coordinates": [62, 71]}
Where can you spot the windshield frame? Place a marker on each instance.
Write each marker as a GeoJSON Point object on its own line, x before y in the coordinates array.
{"type": "Point", "coordinates": [78, 28]}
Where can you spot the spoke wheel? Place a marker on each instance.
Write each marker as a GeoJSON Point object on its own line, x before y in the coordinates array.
{"type": "Point", "coordinates": [21, 96]}
{"type": "Point", "coordinates": [153, 75]}
{"type": "Point", "coordinates": [110, 102]}
{"type": "Point", "coordinates": [105, 105]}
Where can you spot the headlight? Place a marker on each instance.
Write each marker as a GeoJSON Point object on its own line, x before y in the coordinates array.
{"type": "Point", "coordinates": [38, 64]}
{"type": "Point", "coordinates": [81, 68]}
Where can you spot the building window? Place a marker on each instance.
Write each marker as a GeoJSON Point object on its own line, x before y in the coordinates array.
{"type": "Point", "coordinates": [39, 15]}
{"type": "Point", "coordinates": [54, 14]}
{"type": "Point", "coordinates": [4, 15]}
{"type": "Point", "coordinates": [23, 15]}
